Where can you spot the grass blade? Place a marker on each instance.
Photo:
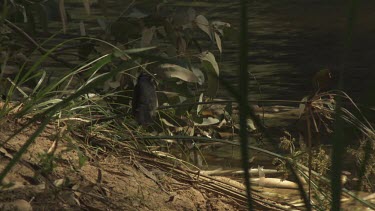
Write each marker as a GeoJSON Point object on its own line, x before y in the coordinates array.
{"type": "Point", "coordinates": [243, 84]}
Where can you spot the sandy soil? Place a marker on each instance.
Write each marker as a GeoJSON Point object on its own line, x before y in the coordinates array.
{"type": "Point", "coordinates": [106, 181]}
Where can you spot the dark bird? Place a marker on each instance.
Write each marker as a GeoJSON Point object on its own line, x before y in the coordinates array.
{"type": "Point", "coordinates": [144, 101]}
{"type": "Point", "coordinates": [322, 80]}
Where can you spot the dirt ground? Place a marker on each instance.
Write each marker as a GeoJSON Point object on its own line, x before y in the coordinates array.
{"type": "Point", "coordinates": [63, 170]}
{"type": "Point", "coordinates": [106, 181]}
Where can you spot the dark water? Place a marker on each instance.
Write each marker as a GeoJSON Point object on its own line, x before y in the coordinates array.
{"type": "Point", "coordinates": [290, 40]}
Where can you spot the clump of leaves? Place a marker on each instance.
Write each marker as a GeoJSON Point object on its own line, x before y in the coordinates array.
{"type": "Point", "coordinates": [176, 34]}
{"type": "Point", "coordinates": [320, 158]}
{"type": "Point", "coordinates": [365, 160]}
{"type": "Point", "coordinates": [321, 161]}
{"type": "Point", "coordinates": [316, 117]}
{"type": "Point", "coordinates": [287, 143]}
{"type": "Point", "coordinates": [47, 162]}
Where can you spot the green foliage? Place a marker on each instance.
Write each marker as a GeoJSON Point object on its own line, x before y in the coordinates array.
{"type": "Point", "coordinates": [47, 163]}
{"type": "Point", "coordinates": [174, 34]}
{"type": "Point", "coordinates": [92, 97]}
{"type": "Point", "coordinates": [365, 156]}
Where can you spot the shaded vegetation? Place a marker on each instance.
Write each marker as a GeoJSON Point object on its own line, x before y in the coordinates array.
{"type": "Point", "coordinates": [140, 90]}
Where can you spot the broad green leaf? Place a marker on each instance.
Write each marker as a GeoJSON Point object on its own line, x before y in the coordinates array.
{"type": "Point", "coordinates": [218, 42]}
{"type": "Point", "coordinates": [212, 69]}
{"type": "Point", "coordinates": [203, 24]}
{"type": "Point", "coordinates": [219, 26]}
{"type": "Point", "coordinates": [210, 58]}
{"type": "Point", "coordinates": [175, 71]}
{"type": "Point", "coordinates": [197, 72]}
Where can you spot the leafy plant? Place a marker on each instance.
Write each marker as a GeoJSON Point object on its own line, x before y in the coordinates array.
{"type": "Point", "coordinates": [93, 99]}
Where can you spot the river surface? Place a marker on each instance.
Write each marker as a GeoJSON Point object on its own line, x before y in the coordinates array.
{"type": "Point", "coordinates": [289, 41]}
